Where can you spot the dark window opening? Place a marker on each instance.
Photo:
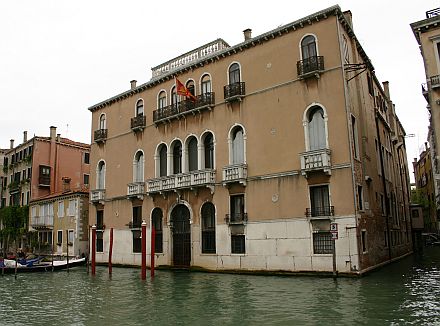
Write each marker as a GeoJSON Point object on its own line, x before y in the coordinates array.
{"type": "Point", "coordinates": [322, 243]}
{"type": "Point", "coordinates": [238, 244]}
{"type": "Point", "coordinates": [208, 228]}
{"type": "Point", "coordinates": [157, 224]}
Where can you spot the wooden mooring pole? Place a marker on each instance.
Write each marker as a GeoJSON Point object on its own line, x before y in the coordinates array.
{"type": "Point", "coordinates": [144, 251]}
{"type": "Point", "coordinates": [153, 249]}
{"type": "Point", "coordinates": [67, 249]}
{"type": "Point", "coordinates": [93, 249]}
{"type": "Point", "coordinates": [110, 252]}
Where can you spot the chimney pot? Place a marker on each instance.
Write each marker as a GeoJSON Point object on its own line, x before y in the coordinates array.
{"type": "Point", "coordinates": [133, 84]}
{"type": "Point", "coordinates": [247, 34]}
{"type": "Point", "coordinates": [11, 144]}
{"type": "Point", "coordinates": [58, 137]}
{"type": "Point", "coordinates": [24, 136]}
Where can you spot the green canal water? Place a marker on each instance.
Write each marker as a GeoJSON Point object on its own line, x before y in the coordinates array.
{"type": "Point", "coordinates": [403, 293]}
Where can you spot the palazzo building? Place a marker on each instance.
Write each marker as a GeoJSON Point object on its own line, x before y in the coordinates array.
{"type": "Point", "coordinates": [254, 157]}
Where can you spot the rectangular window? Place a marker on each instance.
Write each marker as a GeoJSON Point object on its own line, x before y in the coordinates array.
{"type": "Point", "coordinates": [322, 243]}
{"type": "Point", "coordinates": [99, 220]}
{"type": "Point", "coordinates": [86, 179]}
{"type": "Point", "coordinates": [137, 244]}
{"type": "Point", "coordinates": [59, 237]}
{"type": "Point", "coordinates": [238, 244]}
{"type": "Point", "coordinates": [137, 217]}
{"type": "Point", "coordinates": [237, 214]}
{"type": "Point", "coordinates": [370, 85]}
{"type": "Point", "coordinates": [33, 211]}
{"type": "Point", "coordinates": [87, 158]}
{"type": "Point", "coordinates": [72, 207]}
{"type": "Point", "coordinates": [44, 176]}
{"type": "Point", "coordinates": [320, 202]}
{"type": "Point", "coordinates": [71, 237]}
{"type": "Point", "coordinates": [61, 209]}
{"type": "Point", "coordinates": [364, 240]}
{"type": "Point", "coordinates": [99, 241]}
{"type": "Point", "coordinates": [360, 198]}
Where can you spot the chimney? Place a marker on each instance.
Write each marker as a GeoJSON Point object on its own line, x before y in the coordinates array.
{"type": "Point", "coordinates": [247, 34]}
{"type": "Point", "coordinates": [24, 136]}
{"type": "Point", "coordinates": [53, 132]}
{"type": "Point", "coordinates": [11, 144]}
{"type": "Point", "coordinates": [133, 84]}
{"type": "Point", "coordinates": [66, 184]}
{"type": "Point", "coordinates": [386, 88]}
{"type": "Point", "coordinates": [58, 137]}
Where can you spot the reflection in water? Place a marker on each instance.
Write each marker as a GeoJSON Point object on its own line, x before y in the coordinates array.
{"type": "Point", "coordinates": [407, 292]}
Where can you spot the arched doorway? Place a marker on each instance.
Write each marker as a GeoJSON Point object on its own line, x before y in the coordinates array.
{"type": "Point", "coordinates": [181, 236]}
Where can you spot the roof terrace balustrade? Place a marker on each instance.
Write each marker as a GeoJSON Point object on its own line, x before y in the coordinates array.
{"type": "Point", "coordinates": [310, 67]}
{"type": "Point", "coordinates": [432, 13]}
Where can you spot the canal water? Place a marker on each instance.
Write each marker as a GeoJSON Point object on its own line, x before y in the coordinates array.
{"type": "Point", "coordinates": [403, 293]}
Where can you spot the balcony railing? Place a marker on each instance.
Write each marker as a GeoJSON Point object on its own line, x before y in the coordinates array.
{"type": "Point", "coordinates": [235, 173]}
{"type": "Point", "coordinates": [202, 101]}
{"type": "Point", "coordinates": [310, 66]}
{"type": "Point", "coordinates": [323, 211]}
{"type": "Point", "coordinates": [199, 178]}
{"type": "Point", "coordinates": [14, 186]}
{"type": "Point", "coordinates": [135, 224]}
{"type": "Point", "coordinates": [100, 135]}
{"type": "Point", "coordinates": [234, 91]}
{"type": "Point", "coordinates": [138, 123]}
{"type": "Point", "coordinates": [42, 221]}
{"type": "Point", "coordinates": [236, 218]}
{"type": "Point", "coordinates": [432, 13]}
{"type": "Point", "coordinates": [135, 189]}
{"type": "Point", "coordinates": [435, 81]}
{"type": "Point", "coordinates": [97, 195]}
{"type": "Point", "coordinates": [44, 180]}
{"type": "Point", "coordinates": [316, 160]}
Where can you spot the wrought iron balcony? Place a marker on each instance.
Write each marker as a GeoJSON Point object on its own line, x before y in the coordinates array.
{"type": "Point", "coordinates": [135, 224]}
{"type": "Point", "coordinates": [435, 81]}
{"type": "Point", "coordinates": [97, 195]}
{"type": "Point", "coordinates": [310, 67]}
{"type": "Point", "coordinates": [138, 123]}
{"type": "Point", "coordinates": [136, 189]}
{"type": "Point", "coordinates": [316, 160]}
{"type": "Point", "coordinates": [44, 180]}
{"type": "Point", "coordinates": [323, 211]}
{"type": "Point", "coordinates": [14, 186]}
{"type": "Point", "coordinates": [187, 106]}
{"type": "Point", "coordinates": [100, 135]}
{"type": "Point", "coordinates": [236, 218]}
{"type": "Point", "coordinates": [42, 222]}
{"type": "Point", "coordinates": [193, 179]}
{"type": "Point", "coordinates": [235, 173]}
{"type": "Point", "coordinates": [235, 91]}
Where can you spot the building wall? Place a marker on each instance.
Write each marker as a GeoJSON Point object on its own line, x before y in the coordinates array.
{"type": "Point", "coordinates": [279, 235]}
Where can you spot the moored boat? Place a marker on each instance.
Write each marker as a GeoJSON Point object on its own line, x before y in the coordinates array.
{"type": "Point", "coordinates": [8, 266]}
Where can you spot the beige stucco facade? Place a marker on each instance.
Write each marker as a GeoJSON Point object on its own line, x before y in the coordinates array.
{"type": "Point", "coordinates": [265, 160]}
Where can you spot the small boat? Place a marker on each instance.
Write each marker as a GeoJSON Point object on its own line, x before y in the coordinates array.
{"type": "Point", "coordinates": [8, 266]}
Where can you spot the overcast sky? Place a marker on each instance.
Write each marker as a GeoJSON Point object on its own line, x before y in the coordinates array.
{"type": "Point", "coordinates": [57, 58]}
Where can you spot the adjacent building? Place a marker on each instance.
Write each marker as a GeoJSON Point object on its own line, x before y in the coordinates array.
{"type": "Point", "coordinates": [269, 155]}
{"type": "Point", "coordinates": [36, 170]}
{"type": "Point", "coordinates": [427, 33]}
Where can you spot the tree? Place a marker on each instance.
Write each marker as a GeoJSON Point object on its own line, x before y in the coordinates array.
{"type": "Point", "coordinates": [14, 220]}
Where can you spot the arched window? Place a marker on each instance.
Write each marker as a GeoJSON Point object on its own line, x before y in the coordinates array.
{"type": "Point", "coordinates": [190, 87]}
{"type": "Point", "coordinates": [100, 175]}
{"type": "Point", "coordinates": [156, 221]}
{"type": "Point", "coordinates": [177, 157]}
{"type": "Point", "coordinates": [140, 107]}
{"type": "Point", "coordinates": [173, 96]}
{"type": "Point", "coordinates": [162, 100]}
{"type": "Point", "coordinates": [102, 122]}
{"type": "Point", "coordinates": [208, 228]}
{"type": "Point", "coordinates": [234, 73]}
{"type": "Point", "coordinates": [192, 154]}
{"type": "Point", "coordinates": [237, 145]}
{"type": "Point", "coordinates": [316, 128]}
{"type": "Point", "coordinates": [205, 84]}
{"type": "Point", "coordinates": [163, 160]}
{"type": "Point", "coordinates": [208, 144]}
{"type": "Point", "coordinates": [138, 167]}
{"type": "Point", "coordinates": [308, 47]}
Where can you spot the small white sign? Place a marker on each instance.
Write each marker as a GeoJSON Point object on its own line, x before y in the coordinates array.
{"type": "Point", "coordinates": [333, 227]}
{"type": "Point", "coordinates": [335, 235]}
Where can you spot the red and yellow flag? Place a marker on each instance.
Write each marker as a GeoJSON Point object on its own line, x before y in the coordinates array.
{"type": "Point", "coordinates": [182, 90]}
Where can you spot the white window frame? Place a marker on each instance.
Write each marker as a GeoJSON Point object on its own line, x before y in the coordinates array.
{"type": "Point", "coordinates": [61, 208]}
{"type": "Point", "coordinates": [306, 124]}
